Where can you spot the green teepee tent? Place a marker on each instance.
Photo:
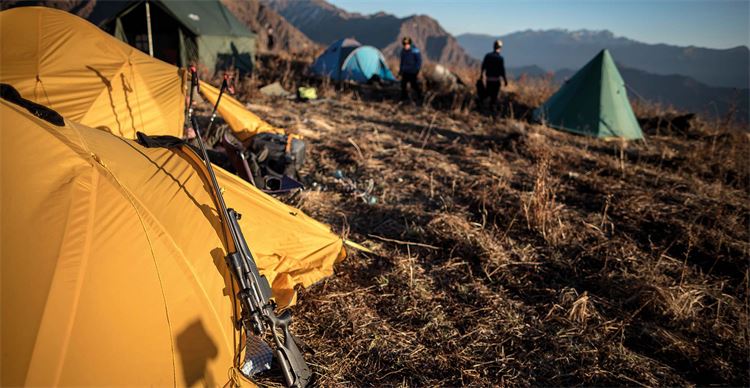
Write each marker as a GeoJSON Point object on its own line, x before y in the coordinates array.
{"type": "Point", "coordinates": [593, 103]}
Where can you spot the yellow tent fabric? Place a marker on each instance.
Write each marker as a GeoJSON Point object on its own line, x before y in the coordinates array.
{"type": "Point", "coordinates": [113, 263]}
{"type": "Point", "coordinates": [66, 63]}
{"type": "Point", "coordinates": [244, 124]}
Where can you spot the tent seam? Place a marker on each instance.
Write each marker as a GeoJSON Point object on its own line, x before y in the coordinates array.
{"type": "Point", "coordinates": [150, 245]}
{"type": "Point", "coordinates": [135, 89]}
{"type": "Point", "coordinates": [127, 193]}
{"type": "Point", "coordinates": [98, 96]}
{"type": "Point", "coordinates": [139, 207]}
{"type": "Point", "coordinates": [85, 258]}
{"type": "Point", "coordinates": [156, 266]}
{"type": "Point", "coordinates": [38, 50]}
{"type": "Point", "coordinates": [349, 57]}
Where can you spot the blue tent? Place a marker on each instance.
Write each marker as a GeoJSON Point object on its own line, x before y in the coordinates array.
{"type": "Point", "coordinates": [347, 59]}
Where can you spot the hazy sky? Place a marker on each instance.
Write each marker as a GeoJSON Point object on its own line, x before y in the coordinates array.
{"type": "Point", "coordinates": [707, 23]}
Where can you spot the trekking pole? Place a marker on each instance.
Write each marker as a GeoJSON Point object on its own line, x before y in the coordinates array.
{"type": "Point", "coordinates": [194, 85]}
{"type": "Point", "coordinates": [258, 315]}
{"type": "Point", "coordinates": [225, 85]}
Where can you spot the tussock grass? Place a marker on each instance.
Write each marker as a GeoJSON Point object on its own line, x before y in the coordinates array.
{"type": "Point", "coordinates": [540, 206]}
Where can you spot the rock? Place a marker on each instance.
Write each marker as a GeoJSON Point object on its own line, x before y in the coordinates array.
{"type": "Point", "coordinates": [274, 90]}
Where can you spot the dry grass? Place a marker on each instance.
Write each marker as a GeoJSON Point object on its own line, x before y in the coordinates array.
{"type": "Point", "coordinates": [540, 206]}
{"type": "Point", "coordinates": [534, 91]}
{"type": "Point", "coordinates": [512, 254]}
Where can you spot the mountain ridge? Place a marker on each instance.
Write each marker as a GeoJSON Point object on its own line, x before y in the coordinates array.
{"type": "Point", "coordinates": [583, 32]}
{"type": "Point", "coordinates": [257, 16]}
{"type": "Point", "coordinates": [558, 49]}
{"type": "Point", "coordinates": [325, 23]}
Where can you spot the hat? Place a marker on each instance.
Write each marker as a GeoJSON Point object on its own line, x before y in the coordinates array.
{"type": "Point", "coordinates": [498, 44]}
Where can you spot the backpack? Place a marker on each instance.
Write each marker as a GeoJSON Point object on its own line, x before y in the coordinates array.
{"type": "Point", "coordinates": [271, 161]}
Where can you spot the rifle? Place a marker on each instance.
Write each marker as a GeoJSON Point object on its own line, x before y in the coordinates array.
{"type": "Point", "coordinates": [258, 315]}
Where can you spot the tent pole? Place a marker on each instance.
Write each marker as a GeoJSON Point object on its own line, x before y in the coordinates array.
{"type": "Point", "coordinates": [148, 27]}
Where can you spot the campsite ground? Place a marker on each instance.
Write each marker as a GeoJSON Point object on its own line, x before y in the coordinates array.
{"type": "Point", "coordinates": [507, 253]}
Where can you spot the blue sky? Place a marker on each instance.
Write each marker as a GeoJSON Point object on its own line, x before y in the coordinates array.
{"type": "Point", "coordinates": [706, 23]}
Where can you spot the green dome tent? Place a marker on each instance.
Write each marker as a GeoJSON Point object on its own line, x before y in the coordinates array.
{"type": "Point", "coordinates": [593, 102]}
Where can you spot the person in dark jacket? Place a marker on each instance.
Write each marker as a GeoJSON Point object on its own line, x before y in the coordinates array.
{"type": "Point", "coordinates": [271, 40]}
{"type": "Point", "coordinates": [493, 70]}
{"type": "Point", "coordinates": [411, 63]}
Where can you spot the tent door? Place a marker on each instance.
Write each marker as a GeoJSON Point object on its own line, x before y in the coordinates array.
{"type": "Point", "coordinates": [165, 32]}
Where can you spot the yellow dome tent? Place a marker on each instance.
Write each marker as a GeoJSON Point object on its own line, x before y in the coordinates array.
{"type": "Point", "coordinates": [68, 64]}
{"type": "Point", "coordinates": [113, 263]}
{"type": "Point", "coordinates": [244, 124]}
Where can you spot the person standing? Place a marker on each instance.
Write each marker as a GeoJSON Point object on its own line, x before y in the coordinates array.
{"type": "Point", "coordinates": [411, 63]}
{"type": "Point", "coordinates": [271, 41]}
{"type": "Point", "coordinates": [493, 70]}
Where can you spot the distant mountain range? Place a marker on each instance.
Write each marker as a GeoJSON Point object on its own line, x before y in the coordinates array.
{"type": "Point", "coordinates": [558, 49]}
{"type": "Point", "coordinates": [678, 91]}
{"type": "Point", "coordinates": [324, 23]}
{"type": "Point", "coordinates": [686, 93]}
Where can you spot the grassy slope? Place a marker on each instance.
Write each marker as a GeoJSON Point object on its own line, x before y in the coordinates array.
{"type": "Point", "coordinates": [536, 257]}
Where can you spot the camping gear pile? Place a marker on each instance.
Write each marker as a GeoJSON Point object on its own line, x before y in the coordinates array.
{"type": "Point", "coordinates": [440, 78]}
{"type": "Point", "coordinates": [260, 153]}
{"type": "Point", "coordinates": [133, 281]}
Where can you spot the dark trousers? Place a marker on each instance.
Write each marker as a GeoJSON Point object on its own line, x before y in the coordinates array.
{"type": "Point", "coordinates": [492, 90]}
{"type": "Point", "coordinates": [410, 79]}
